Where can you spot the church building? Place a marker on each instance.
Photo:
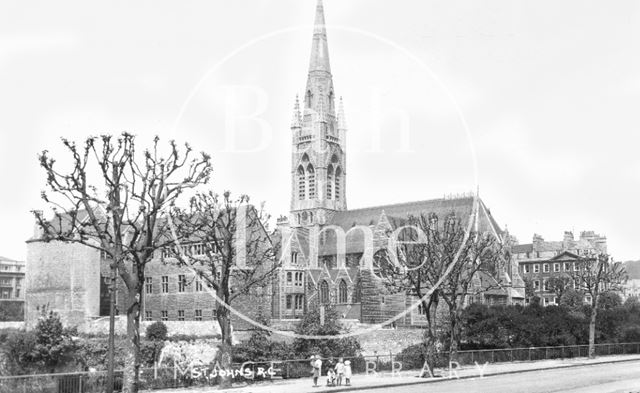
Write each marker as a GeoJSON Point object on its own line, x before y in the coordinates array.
{"type": "Point", "coordinates": [331, 249]}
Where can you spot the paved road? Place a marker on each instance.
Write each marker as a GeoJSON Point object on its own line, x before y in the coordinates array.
{"type": "Point", "coordinates": [600, 378]}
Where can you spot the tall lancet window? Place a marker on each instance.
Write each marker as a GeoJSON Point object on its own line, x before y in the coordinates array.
{"type": "Point", "coordinates": [338, 189]}
{"type": "Point", "coordinates": [311, 181]}
{"type": "Point", "coordinates": [342, 292]}
{"type": "Point", "coordinates": [301, 183]}
{"type": "Point", "coordinates": [330, 182]}
{"type": "Point", "coordinates": [324, 292]}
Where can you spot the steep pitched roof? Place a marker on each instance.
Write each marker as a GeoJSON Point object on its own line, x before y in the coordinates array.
{"type": "Point", "coordinates": [397, 214]}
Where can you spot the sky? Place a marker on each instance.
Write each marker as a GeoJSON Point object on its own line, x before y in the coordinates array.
{"type": "Point", "coordinates": [536, 103]}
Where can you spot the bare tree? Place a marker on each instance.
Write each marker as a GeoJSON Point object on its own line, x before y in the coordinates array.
{"type": "Point", "coordinates": [595, 274]}
{"type": "Point", "coordinates": [438, 262]}
{"type": "Point", "coordinates": [113, 200]}
{"type": "Point", "coordinates": [229, 249]}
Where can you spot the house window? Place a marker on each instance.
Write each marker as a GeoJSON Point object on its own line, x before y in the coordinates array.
{"type": "Point", "coordinates": [17, 292]}
{"type": "Point", "coordinates": [182, 283]}
{"type": "Point", "coordinates": [299, 279]}
{"type": "Point", "coordinates": [545, 284]}
{"type": "Point", "coordinates": [567, 266]}
{"type": "Point", "coordinates": [536, 285]}
{"type": "Point", "coordinates": [294, 257]}
{"type": "Point", "coordinates": [198, 286]}
{"type": "Point", "coordinates": [536, 268]}
{"type": "Point", "coordinates": [288, 302]}
{"type": "Point", "coordinates": [289, 278]}
{"type": "Point", "coordinates": [545, 268]}
{"type": "Point", "coordinates": [546, 301]}
{"type": "Point", "coordinates": [588, 299]}
{"type": "Point", "coordinates": [299, 302]}
{"type": "Point", "coordinates": [342, 292]}
{"type": "Point", "coordinates": [180, 315]}
{"type": "Point", "coordinates": [324, 292]}
{"type": "Point", "coordinates": [555, 300]}
{"type": "Point", "coordinates": [165, 284]}
{"type": "Point", "coordinates": [148, 315]}
{"type": "Point", "coordinates": [576, 267]}
{"type": "Point", "coordinates": [148, 285]}
{"type": "Point", "coordinates": [198, 314]}
{"type": "Point", "coordinates": [526, 268]}
{"type": "Point", "coordinates": [214, 313]}
{"type": "Point", "coordinates": [422, 310]}
{"type": "Point", "coordinates": [556, 267]}
{"type": "Point", "coordinates": [165, 315]}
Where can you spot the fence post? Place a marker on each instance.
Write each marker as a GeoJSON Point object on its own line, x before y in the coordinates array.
{"type": "Point", "coordinates": [512, 355]}
{"type": "Point", "coordinates": [562, 352]}
{"type": "Point", "coordinates": [530, 353]}
{"type": "Point", "coordinates": [546, 353]}
{"type": "Point", "coordinates": [493, 356]}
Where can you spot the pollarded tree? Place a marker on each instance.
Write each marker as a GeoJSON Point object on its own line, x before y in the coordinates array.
{"type": "Point", "coordinates": [438, 261]}
{"type": "Point", "coordinates": [594, 275]}
{"type": "Point", "coordinates": [228, 246]}
{"type": "Point", "coordinates": [113, 198]}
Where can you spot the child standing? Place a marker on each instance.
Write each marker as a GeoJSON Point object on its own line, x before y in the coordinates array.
{"type": "Point", "coordinates": [340, 371]}
{"type": "Point", "coordinates": [347, 372]}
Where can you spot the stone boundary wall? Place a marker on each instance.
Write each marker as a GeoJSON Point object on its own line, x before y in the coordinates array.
{"type": "Point", "coordinates": [100, 326]}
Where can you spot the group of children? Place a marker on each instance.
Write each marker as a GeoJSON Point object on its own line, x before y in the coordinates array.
{"type": "Point", "coordinates": [335, 374]}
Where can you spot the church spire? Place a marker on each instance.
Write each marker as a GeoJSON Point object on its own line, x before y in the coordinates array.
{"type": "Point", "coordinates": [320, 49]}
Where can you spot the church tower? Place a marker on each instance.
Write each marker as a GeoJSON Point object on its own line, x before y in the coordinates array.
{"type": "Point", "coordinates": [318, 131]}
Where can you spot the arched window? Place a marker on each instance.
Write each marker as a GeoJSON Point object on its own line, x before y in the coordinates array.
{"type": "Point", "coordinates": [311, 181]}
{"type": "Point", "coordinates": [308, 98]}
{"type": "Point", "coordinates": [331, 99]}
{"type": "Point", "coordinates": [342, 292]}
{"type": "Point", "coordinates": [337, 188]}
{"type": "Point", "coordinates": [330, 182]}
{"type": "Point", "coordinates": [324, 292]}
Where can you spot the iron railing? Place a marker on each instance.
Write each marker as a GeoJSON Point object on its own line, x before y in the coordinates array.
{"type": "Point", "coordinates": [174, 377]}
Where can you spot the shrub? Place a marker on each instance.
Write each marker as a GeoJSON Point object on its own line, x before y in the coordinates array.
{"type": "Point", "coordinates": [310, 324]}
{"type": "Point", "coordinates": [157, 331]}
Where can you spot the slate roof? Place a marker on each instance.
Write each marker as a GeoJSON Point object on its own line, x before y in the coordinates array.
{"type": "Point", "coordinates": [397, 214]}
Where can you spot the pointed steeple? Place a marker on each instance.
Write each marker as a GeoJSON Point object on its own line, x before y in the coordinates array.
{"type": "Point", "coordinates": [296, 120]}
{"type": "Point", "coordinates": [320, 49]}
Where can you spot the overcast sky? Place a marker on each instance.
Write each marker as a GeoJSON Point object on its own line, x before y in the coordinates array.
{"type": "Point", "coordinates": [549, 90]}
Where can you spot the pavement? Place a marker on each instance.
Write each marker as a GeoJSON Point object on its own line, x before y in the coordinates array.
{"type": "Point", "coordinates": [409, 378]}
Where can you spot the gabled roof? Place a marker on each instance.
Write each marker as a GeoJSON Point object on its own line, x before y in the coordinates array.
{"type": "Point", "coordinates": [564, 256]}
{"type": "Point", "coordinates": [396, 215]}
{"type": "Point", "coordinates": [370, 215]}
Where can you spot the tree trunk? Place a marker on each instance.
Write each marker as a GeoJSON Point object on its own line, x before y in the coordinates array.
{"type": "Point", "coordinates": [224, 355]}
{"type": "Point", "coordinates": [132, 358]}
{"type": "Point", "coordinates": [454, 342]}
{"type": "Point", "coordinates": [592, 332]}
